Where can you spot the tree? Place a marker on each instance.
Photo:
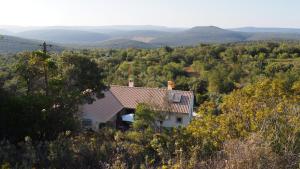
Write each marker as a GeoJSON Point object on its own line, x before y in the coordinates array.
{"type": "Point", "coordinates": [274, 68]}
{"type": "Point", "coordinates": [172, 70]}
{"type": "Point", "coordinates": [47, 110]}
{"type": "Point", "coordinates": [122, 73]}
{"type": "Point", "coordinates": [267, 107]}
{"type": "Point", "coordinates": [168, 49]}
{"type": "Point", "coordinates": [145, 117]}
{"type": "Point", "coordinates": [29, 68]}
{"type": "Point", "coordinates": [218, 81]}
{"type": "Point", "coordinates": [81, 73]}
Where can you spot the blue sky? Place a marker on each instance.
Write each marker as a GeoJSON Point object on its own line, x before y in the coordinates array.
{"type": "Point", "coordinates": [174, 13]}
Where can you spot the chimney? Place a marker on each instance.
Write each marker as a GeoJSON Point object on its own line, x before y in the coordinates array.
{"type": "Point", "coordinates": [171, 85]}
{"type": "Point", "coordinates": [131, 83]}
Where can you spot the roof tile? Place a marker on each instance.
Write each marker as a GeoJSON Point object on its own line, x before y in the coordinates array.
{"type": "Point", "coordinates": [130, 97]}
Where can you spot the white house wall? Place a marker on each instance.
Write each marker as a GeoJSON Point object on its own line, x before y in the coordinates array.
{"type": "Point", "coordinates": [172, 120]}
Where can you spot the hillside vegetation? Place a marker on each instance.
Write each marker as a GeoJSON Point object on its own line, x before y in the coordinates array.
{"type": "Point", "coordinates": [11, 44]}
{"type": "Point", "coordinates": [119, 44]}
{"type": "Point", "coordinates": [198, 35]}
{"type": "Point", "coordinates": [247, 97]}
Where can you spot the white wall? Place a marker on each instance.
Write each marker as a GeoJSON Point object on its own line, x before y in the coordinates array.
{"type": "Point", "coordinates": [96, 121]}
{"type": "Point", "coordinates": [171, 121]}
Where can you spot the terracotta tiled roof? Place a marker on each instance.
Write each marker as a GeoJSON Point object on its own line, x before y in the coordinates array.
{"type": "Point", "coordinates": [130, 97]}
{"type": "Point", "coordinates": [119, 97]}
{"type": "Point", "coordinates": [103, 109]}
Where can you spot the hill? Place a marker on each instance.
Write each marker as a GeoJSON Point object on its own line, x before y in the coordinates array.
{"type": "Point", "coordinates": [120, 44]}
{"type": "Point", "coordinates": [97, 29]}
{"type": "Point", "coordinates": [11, 44]}
{"type": "Point", "coordinates": [274, 30]}
{"type": "Point", "coordinates": [117, 28]}
{"type": "Point", "coordinates": [212, 34]}
{"type": "Point", "coordinates": [5, 32]}
{"type": "Point", "coordinates": [206, 34]}
{"type": "Point", "coordinates": [139, 35]}
{"type": "Point", "coordinates": [63, 36]}
{"type": "Point", "coordinates": [258, 36]}
{"type": "Point", "coordinates": [91, 35]}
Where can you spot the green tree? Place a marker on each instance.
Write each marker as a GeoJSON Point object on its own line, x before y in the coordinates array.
{"type": "Point", "coordinates": [145, 117]}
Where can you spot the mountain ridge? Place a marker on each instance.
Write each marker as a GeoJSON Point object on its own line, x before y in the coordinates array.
{"type": "Point", "coordinates": [267, 29]}
{"type": "Point", "coordinates": [11, 44]}
{"type": "Point", "coordinates": [143, 38]}
{"type": "Point", "coordinates": [63, 36]}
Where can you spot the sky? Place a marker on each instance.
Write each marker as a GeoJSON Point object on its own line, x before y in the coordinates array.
{"type": "Point", "coordinates": [172, 13]}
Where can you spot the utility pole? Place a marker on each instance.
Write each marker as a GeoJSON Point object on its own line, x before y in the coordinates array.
{"type": "Point", "coordinates": [44, 46]}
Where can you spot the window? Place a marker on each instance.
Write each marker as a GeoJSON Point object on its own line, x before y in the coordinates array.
{"type": "Point", "coordinates": [86, 122]}
{"type": "Point", "coordinates": [178, 120]}
{"type": "Point", "coordinates": [101, 125]}
{"type": "Point", "coordinates": [161, 122]}
{"type": "Point", "coordinates": [174, 97]}
{"type": "Point", "coordinates": [167, 117]}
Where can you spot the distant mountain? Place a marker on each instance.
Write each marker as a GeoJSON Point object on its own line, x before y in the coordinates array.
{"type": "Point", "coordinates": [77, 35]}
{"type": "Point", "coordinates": [212, 34]}
{"type": "Point", "coordinates": [16, 29]}
{"type": "Point", "coordinates": [11, 44]}
{"type": "Point", "coordinates": [126, 28]}
{"type": "Point", "coordinates": [63, 36]}
{"type": "Point", "coordinates": [205, 34]}
{"type": "Point", "coordinates": [98, 29]}
{"type": "Point", "coordinates": [270, 30]}
{"type": "Point", "coordinates": [140, 36]}
{"type": "Point", "coordinates": [273, 36]}
{"type": "Point", "coordinates": [5, 32]}
{"type": "Point", "coordinates": [120, 44]}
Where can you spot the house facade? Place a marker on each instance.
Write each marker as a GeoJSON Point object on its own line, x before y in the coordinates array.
{"type": "Point", "coordinates": [120, 102]}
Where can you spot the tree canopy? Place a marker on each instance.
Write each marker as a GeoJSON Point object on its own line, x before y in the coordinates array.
{"type": "Point", "coordinates": [247, 98]}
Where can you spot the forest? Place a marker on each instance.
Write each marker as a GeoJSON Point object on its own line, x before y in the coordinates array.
{"type": "Point", "coordinates": [247, 98]}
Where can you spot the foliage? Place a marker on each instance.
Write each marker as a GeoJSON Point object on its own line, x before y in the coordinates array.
{"type": "Point", "coordinates": [248, 117]}
{"type": "Point", "coordinates": [146, 117]}
{"type": "Point", "coordinates": [44, 101]}
{"type": "Point", "coordinates": [269, 107]}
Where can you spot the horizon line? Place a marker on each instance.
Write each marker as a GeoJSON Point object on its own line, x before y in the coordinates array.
{"type": "Point", "coordinates": [176, 27]}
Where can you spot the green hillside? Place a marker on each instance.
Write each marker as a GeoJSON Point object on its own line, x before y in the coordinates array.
{"type": "Point", "coordinates": [197, 35]}
{"type": "Point", "coordinates": [11, 44]}
{"type": "Point", "coordinates": [213, 34]}
{"type": "Point", "coordinates": [121, 44]}
{"type": "Point", "coordinates": [64, 36]}
{"type": "Point", "coordinates": [273, 36]}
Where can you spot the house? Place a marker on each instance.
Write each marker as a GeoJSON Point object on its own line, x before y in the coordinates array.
{"type": "Point", "coordinates": [119, 104]}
